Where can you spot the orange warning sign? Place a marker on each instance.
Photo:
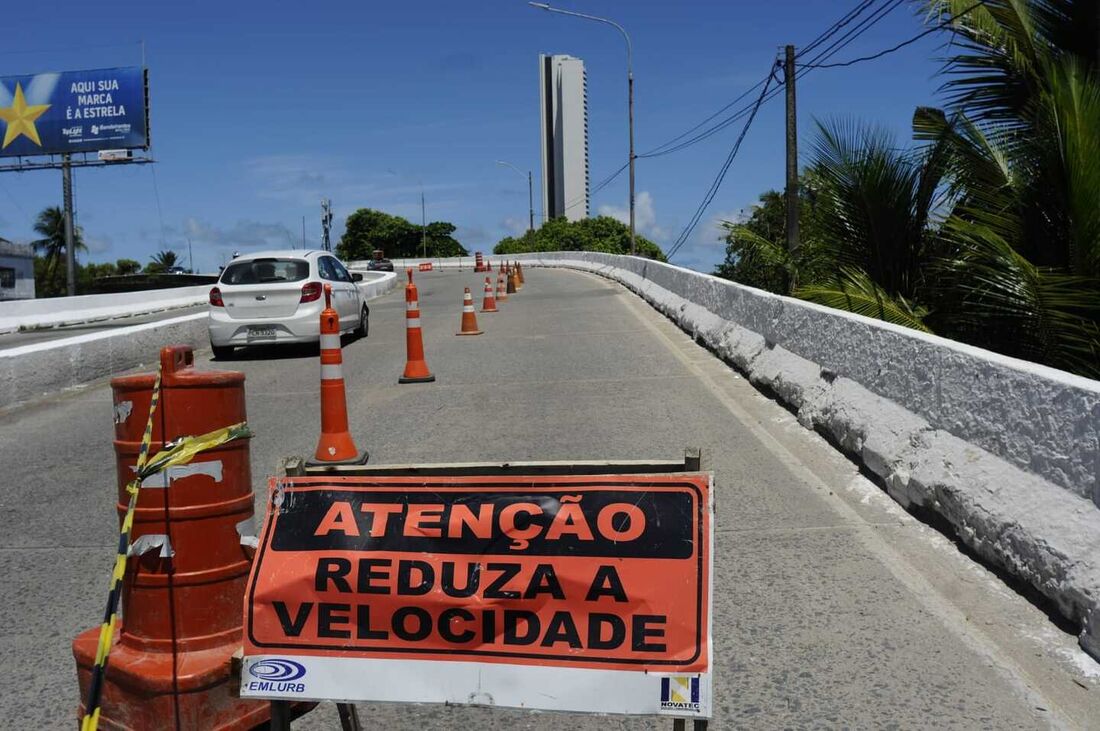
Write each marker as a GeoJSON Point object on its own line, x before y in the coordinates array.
{"type": "Point", "coordinates": [425, 266]}
{"type": "Point", "coordinates": [607, 571]}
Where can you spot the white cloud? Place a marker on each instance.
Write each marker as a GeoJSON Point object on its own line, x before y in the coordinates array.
{"type": "Point", "coordinates": [243, 234]}
{"type": "Point", "coordinates": [515, 226]}
{"type": "Point", "coordinates": [645, 216]}
{"type": "Point", "coordinates": [98, 244]}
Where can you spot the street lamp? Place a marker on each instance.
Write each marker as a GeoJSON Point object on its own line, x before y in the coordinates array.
{"type": "Point", "coordinates": [530, 194]}
{"type": "Point", "coordinates": [630, 94]}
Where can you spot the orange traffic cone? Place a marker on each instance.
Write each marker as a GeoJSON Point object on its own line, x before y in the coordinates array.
{"type": "Point", "coordinates": [416, 369]}
{"type": "Point", "coordinates": [469, 317]}
{"type": "Point", "coordinates": [489, 302]}
{"type": "Point", "coordinates": [515, 275]}
{"type": "Point", "coordinates": [501, 268]}
{"type": "Point", "coordinates": [512, 282]}
{"type": "Point", "coordinates": [502, 295]}
{"type": "Point", "coordinates": [519, 270]}
{"type": "Point", "coordinates": [336, 445]}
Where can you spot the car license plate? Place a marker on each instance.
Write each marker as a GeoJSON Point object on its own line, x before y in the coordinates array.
{"type": "Point", "coordinates": [259, 332]}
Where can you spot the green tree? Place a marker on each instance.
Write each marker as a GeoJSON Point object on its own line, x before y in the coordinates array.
{"type": "Point", "coordinates": [601, 233]}
{"type": "Point", "coordinates": [50, 225]}
{"type": "Point", "coordinates": [161, 261]}
{"type": "Point", "coordinates": [368, 229]}
{"type": "Point", "coordinates": [749, 259]}
{"type": "Point", "coordinates": [127, 266]}
{"type": "Point", "coordinates": [989, 230]}
{"type": "Point", "coordinates": [439, 236]}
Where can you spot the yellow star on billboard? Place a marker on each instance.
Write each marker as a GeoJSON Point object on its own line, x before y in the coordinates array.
{"type": "Point", "coordinates": [20, 118]}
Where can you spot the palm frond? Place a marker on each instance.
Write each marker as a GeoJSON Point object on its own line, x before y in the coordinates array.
{"type": "Point", "coordinates": [854, 291]}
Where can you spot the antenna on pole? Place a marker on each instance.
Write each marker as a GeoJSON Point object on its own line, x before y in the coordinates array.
{"type": "Point", "coordinates": [326, 224]}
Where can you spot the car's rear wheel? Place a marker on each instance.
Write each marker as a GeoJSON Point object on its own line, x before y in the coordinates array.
{"type": "Point", "coordinates": [364, 323]}
{"type": "Point", "coordinates": [222, 352]}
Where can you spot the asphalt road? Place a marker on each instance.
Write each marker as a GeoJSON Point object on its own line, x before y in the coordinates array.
{"type": "Point", "coordinates": [16, 339]}
{"type": "Point", "coordinates": [833, 607]}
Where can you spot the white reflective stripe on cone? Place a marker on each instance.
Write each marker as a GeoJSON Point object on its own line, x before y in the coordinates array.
{"type": "Point", "coordinates": [331, 372]}
{"type": "Point", "coordinates": [330, 341]}
{"type": "Point", "coordinates": [412, 322]}
{"type": "Point", "coordinates": [411, 305]}
{"type": "Point", "coordinates": [468, 308]}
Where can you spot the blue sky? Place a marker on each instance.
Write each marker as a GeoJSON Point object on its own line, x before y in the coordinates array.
{"type": "Point", "coordinates": [260, 109]}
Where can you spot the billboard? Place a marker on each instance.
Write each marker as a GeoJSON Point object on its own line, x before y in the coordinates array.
{"type": "Point", "coordinates": [565, 593]}
{"type": "Point", "coordinates": [74, 111]}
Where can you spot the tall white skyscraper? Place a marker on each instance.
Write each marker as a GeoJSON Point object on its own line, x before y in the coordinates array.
{"type": "Point", "coordinates": [563, 93]}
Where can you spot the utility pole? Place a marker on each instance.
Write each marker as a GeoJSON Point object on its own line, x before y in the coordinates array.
{"type": "Point", "coordinates": [303, 232]}
{"type": "Point", "coordinates": [326, 224]}
{"type": "Point", "coordinates": [530, 203]}
{"type": "Point", "coordinates": [630, 106]}
{"type": "Point", "coordinates": [423, 226]}
{"type": "Point", "coordinates": [190, 257]}
{"type": "Point", "coordinates": [70, 248]}
{"type": "Point", "coordinates": [792, 154]}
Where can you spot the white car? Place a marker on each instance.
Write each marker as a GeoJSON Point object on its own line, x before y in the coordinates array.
{"type": "Point", "coordinates": [277, 297]}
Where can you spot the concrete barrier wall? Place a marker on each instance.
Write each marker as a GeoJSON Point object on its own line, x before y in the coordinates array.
{"type": "Point", "coordinates": [39, 369]}
{"type": "Point", "coordinates": [1007, 451]}
{"type": "Point", "coordinates": [93, 307]}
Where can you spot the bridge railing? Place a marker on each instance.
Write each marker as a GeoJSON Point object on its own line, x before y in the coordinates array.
{"type": "Point", "coordinates": [1007, 451]}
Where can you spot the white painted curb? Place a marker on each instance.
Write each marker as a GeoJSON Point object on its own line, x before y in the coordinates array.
{"type": "Point", "coordinates": [86, 308]}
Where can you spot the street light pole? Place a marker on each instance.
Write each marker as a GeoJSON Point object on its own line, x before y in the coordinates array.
{"type": "Point", "coordinates": [530, 194]}
{"type": "Point", "coordinates": [630, 94]}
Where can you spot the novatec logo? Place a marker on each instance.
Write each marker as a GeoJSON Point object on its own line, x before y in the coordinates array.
{"type": "Point", "coordinates": [279, 670]}
{"type": "Point", "coordinates": [276, 676]}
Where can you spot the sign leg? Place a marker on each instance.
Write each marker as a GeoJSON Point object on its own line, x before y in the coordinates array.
{"type": "Point", "coordinates": [280, 716]}
{"type": "Point", "coordinates": [349, 717]}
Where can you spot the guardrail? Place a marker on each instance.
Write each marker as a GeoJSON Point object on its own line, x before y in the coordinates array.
{"type": "Point", "coordinates": [54, 311]}
{"type": "Point", "coordinates": [31, 371]}
{"type": "Point", "coordinates": [1007, 451]}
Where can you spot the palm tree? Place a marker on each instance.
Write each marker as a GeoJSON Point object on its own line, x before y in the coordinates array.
{"type": "Point", "coordinates": [165, 259]}
{"type": "Point", "coordinates": [50, 224]}
{"type": "Point", "coordinates": [1020, 270]}
{"type": "Point", "coordinates": [989, 231]}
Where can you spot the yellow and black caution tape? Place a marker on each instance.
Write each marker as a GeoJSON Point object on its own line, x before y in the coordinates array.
{"type": "Point", "coordinates": [179, 452]}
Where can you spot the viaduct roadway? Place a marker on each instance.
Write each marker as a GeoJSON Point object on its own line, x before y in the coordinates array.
{"type": "Point", "coordinates": [833, 607]}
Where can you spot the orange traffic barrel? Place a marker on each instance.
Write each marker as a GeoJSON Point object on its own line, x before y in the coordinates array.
{"type": "Point", "coordinates": [335, 445]}
{"type": "Point", "coordinates": [181, 600]}
{"type": "Point", "coordinates": [416, 368]}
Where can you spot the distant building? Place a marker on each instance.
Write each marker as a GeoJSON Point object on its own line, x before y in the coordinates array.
{"type": "Point", "coordinates": [563, 93]}
{"type": "Point", "coordinates": [16, 271]}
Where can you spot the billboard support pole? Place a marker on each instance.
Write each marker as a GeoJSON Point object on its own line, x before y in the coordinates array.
{"type": "Point", "coordinates": [70, 250]}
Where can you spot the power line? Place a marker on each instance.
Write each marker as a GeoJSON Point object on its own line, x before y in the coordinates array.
{"type": "Point", "coordinates": [714, 187]}
{"type": "Point", "coordinates": [656, 150]}
{"type": "Point", "coordinates": [599, 186]}
{"type": "Point", "coordinates": [946, 24]}
{"type": "Point", "coordinates": [661, 149]}
{"type": "Point", "coordinates": [862, 27]}
{"type": "Point", "coordinates": [848, 18]}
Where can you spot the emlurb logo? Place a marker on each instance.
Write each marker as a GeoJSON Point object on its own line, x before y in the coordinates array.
{"type": "Point", "coordinates": [680, 693]}
{"type": "Point", "coordinates": [278, 670]}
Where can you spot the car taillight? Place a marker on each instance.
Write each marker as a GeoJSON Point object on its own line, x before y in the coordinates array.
{"type": "Point", "coordinates": [311, 292]}
{"type": "Point", "coordinates": [216, 298]}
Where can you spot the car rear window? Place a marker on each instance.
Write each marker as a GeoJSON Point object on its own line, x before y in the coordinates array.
{"type": "Point", "coordinates": [263, 271]}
